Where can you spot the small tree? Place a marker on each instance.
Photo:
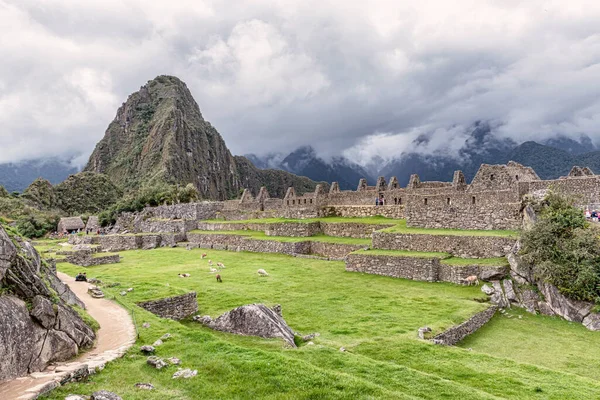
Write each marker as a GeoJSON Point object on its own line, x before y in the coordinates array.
{"type": "Point", "coordinates": [564, 250]}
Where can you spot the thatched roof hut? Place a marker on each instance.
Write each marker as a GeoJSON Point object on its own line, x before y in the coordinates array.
{"type": "Point", "coordinates": [92, 223]}
{"type": "Point", "coordinates": [70, 224]}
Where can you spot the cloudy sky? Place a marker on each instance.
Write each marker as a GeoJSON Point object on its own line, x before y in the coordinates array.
{"type": "Point", "coordinates": [357, 77]}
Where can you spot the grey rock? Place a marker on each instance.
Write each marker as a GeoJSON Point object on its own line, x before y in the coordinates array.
{"type": "Point", "coordinates": [95, 292]}
{"type": "Point", "coordinates": [204, 320]}
{"type": "Point", "coordinates": [43, 311]}
{"type": "Point", "coordinates": [157, 343]}
{"type": "Point", "coordinates": [342, 349]}
{"type": "Point", "coordinates": [8, 251]}
{"type": "Point", "coordinates": [123, 293]}
{"type": "Point", "coordinates": [545, 308]}
{"type": "Point", "coordinates": [185, 373]}
{"type": "Point", "coordinates": [144, 386]}
{"type": "Point", "coordinates": [94, 281]}
{"type": "Point", "coordinates": [493, 273]}
{"type": "Point", "coordinates": [166, 336]}
{"type": "Point", "coordinates": [105, 395]}
{"type": "Point", "coordinates": [156, 362]}
{"type": "Point", "coordinates": [529, 300]}
{"type": "Point", "coordinates": [487, 289]}
{"type": "Point", "coordinates": [253, 320]}
{"type": "Point", "coordinates": [174, 361]}
{"type": "Point", "coordinates": [498, 296]}
{"type": "Point", "coordinates": [277, 309]}
{"type": "Point", "coordinates": [509, 291]}
{"type": "Point", "coordinates": [146, 325]}
{"type": "Point", "coordinates": [571, 310]}
{"type": "Point", "coordinates": [310, 336]}
{"type": "Point", "coordinates": [147, 349]}
{"type": "Point", "coordinates": [76, 397]}
{"type": "Point", "coordinates": [592, 322]}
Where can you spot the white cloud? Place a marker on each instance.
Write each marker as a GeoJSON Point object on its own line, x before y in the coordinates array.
{"type": "Point", "coordinates": [274, 75]}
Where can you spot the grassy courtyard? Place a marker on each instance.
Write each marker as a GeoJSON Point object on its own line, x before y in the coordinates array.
{"type": "Point", "coordinates": [375, 318]}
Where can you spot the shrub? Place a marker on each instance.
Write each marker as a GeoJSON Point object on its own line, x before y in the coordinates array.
{"type": "Point", "coordinates": [564, 250]}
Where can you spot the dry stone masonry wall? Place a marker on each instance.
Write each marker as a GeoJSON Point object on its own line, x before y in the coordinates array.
{"type": "Point", "coordinates": [419, 269]}
{"type": "Point", "coordinates": [457, 333]}
{"type": "Point", "coordinates": [176, 307]}
{"type": "Point", "coordinates": [458, 246]}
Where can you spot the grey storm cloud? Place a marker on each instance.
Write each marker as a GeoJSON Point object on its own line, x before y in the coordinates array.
{"type": "Point", "coordinates": [347, 77]}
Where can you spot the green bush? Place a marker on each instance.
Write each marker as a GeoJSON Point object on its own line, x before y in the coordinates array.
{"type": "Point", "coordinates": [564, 250]}
{"type": "Point", "coordinates": [36, 226]}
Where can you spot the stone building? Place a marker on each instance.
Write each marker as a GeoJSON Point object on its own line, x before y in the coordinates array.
{"type": "Point", "coordinates": [70, 224]}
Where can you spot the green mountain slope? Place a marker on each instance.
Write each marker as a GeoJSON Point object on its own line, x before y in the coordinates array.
{"type": "Point", "coordinates": [159, 135]}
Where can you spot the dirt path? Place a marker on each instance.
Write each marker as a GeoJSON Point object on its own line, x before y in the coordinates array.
{"type": "Point", "coordinates": [116, 335]}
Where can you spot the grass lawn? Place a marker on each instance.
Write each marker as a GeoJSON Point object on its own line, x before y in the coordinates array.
{"type": "Point", "coordinates": [288, 239]}
{"type": "Point", "coordinates": [375, 318]}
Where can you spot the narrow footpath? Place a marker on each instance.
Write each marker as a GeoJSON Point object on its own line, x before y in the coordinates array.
{"type": "Point", "coordinates": [115, 336]}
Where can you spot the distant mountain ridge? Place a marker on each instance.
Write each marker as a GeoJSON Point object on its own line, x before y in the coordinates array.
{"type": "Point", "coordinates": [18, 176]}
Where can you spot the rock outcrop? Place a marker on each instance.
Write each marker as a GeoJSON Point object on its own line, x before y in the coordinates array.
{"type": "Point", "coordinates": [536, 296]}
{"type": "Point", "coordinates": [37, 326]}
{"type": "Point", "coordinates": [252, 320]}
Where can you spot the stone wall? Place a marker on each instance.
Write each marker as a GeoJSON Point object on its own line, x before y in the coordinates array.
{"type": "Point", "coordinates": [85, 258]}
{"type": "Point", "coordinates": [166, 225]}
{"type": "Point", "coordinates": [231, 226]}
{"type": "Point", "coordinates": [458, 273]}
{"type": "Point", "coordinates": [419, 269]}
{"type": "Point", "coordinates": [465, 210]}
{"type": "Point", "coordinates": [333, 250]}
{"type": "Point", "coordinates": [176, 307]}
{"type": "Point", "coordinates": [293, 229]}
{"type": "Point", "coordinates": [457, 333]}
{"type": "Point", "coordinates": [191, 211]}
{"type": "Point", "coordinates": [243, 243]}
{"type": "Point", "coordinates": [351, 229]}
{"type": "Point", "coordinates": [371, 210]}
{"type": "Point", "coordinates": [113, 243]}
{"type": "Point", "coordinates": [458, 246]}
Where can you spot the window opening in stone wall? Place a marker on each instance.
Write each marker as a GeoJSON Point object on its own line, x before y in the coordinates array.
{"type": "Point", "coordinates": [425, 201]}
{"type": "Point", "coordinates": [399, 200]}
{"type": "Point", "coordinates": [491, 177]}
{"type": "Point", "coordinates": [473, 200]}
{"type": "Point", "coordinates": [310, 201]}
{"type": "Point", "coordinates": [304, 201]}
{"type": "Point", "coordinates": [396, 200]}
{"type": "Point", "coordinates": [448, 201]}
{"type": "Point", "coordinates": [517, 177]}
{"type": "Point", "coordinates": [288, 202]}
{"type": "Point", "coordinates": [293, 202]}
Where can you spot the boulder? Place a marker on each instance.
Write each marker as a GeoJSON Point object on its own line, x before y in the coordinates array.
{"type": "Point", "coordinates": [105, 395]}
{"type": "Point", "coordinates": [156, 362]}
{"type": "Point", "coordinates": [166, 336]}
{"type": "Point", "coordinates": [421, 332]}
{"type": "Point", "coordinates": [252, 320]}
{"type": "Point", "coordinates": [529, 300]}
{"type": "Point", "coordinates": [509, 291]}
{"type": "Point", "coordinates": [529, 217]}
{"type": "Point", "coordinates": [487, 289]}
{"type": "Point", "coordinates": [498, 296]}
{"type": "Point", "coordinates": [43, 311]}
{"type": "Point", "coordinates": [185, 373]}
{"type": "Point", "coordinates": [144, 386]}
{"type": "Point", "coordinates": [51, 331]}
{"type": "Point", "coordinates": [157, 343]}
{"type": "Point", "coordinates": [493, 273]}
{"type": "Point", "coordinates": [571, 310]}
{"type": "Point", "coordinates": [147, 349]}
{"type": "Point", "coordinates": [592, 322]}
{"type": "Point", "coordinates": [95, 292]}
{"type": "Point", "coordinates": [76, 397]}
{"type": "Point", "coordinates": [545, 308]}
{"type": "Point", "coordinates": [174, 361]}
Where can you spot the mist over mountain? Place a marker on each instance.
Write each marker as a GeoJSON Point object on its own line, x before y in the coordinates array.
{"type": "Point", "coordinates": [17, 176]}
{"type": "Point", "coordinates": [304, 161]}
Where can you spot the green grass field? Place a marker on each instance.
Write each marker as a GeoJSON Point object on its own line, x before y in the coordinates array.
{"type": "Point", "coordinates": [375, 318]}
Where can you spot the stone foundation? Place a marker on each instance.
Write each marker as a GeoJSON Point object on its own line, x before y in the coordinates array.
{"type": "Point", "coordinates": [85, 258]}
{"type": "Point", "coordinates": [176, 307]}
{"type": "Point", "coordinates": [457, 333]}
{"type": "Point", "coordinates": [351, 229]}
{"type": "Point", "coordinates": [458, 246]}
